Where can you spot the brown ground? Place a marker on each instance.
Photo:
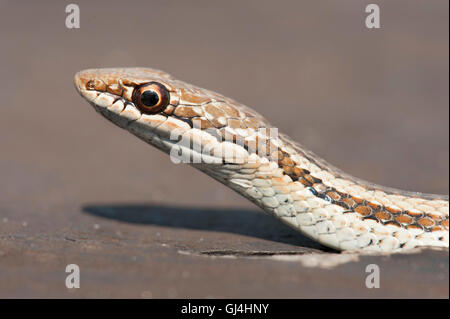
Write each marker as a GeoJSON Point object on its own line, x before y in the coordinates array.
{"type": "Point", "coordinates": [76, 189]}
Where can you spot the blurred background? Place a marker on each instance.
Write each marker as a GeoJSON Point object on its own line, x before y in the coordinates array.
{"type": "Point", "coordinates": [75, 188]}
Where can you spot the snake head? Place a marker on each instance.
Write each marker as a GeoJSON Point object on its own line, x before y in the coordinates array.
{"type": "Point", "coordinates": [164, 112]}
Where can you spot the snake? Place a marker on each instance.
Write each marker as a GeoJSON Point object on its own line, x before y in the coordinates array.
{"type": "Point", "coordinates": [238, 147]}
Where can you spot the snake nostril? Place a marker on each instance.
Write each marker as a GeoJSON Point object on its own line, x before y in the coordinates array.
{"type": "Point", "coordinates": [90, 85]}
{"type": "Point", "coordinates": [96, 84]}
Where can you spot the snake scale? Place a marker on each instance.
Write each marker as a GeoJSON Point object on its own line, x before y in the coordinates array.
{"type": "Point", "coordinates": [233, 144]}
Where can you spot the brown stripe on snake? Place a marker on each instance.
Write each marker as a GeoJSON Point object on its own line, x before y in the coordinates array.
{"type": "Point", "coordinates": [369, 210]}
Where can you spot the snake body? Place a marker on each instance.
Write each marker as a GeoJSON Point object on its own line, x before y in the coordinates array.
{"type": "Point", "coordinates": [274, 172]}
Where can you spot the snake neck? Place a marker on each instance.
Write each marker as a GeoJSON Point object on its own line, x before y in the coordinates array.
{"type": "Point", "coordinates": [332, 207]}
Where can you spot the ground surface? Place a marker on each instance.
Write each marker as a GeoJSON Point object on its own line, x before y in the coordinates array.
{"type": "Point", "coordinates": [77, 190]}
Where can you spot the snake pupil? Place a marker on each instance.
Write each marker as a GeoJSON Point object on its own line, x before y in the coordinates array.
{"type": "Point", "coordinates": [149, 98]}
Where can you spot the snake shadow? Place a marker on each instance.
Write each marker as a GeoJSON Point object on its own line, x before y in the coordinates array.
{"type": "Point", "coordinates": [236, 221]}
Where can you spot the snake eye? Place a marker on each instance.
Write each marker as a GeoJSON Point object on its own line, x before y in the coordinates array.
{"type": "Point", "coordinates": [151, 97]}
